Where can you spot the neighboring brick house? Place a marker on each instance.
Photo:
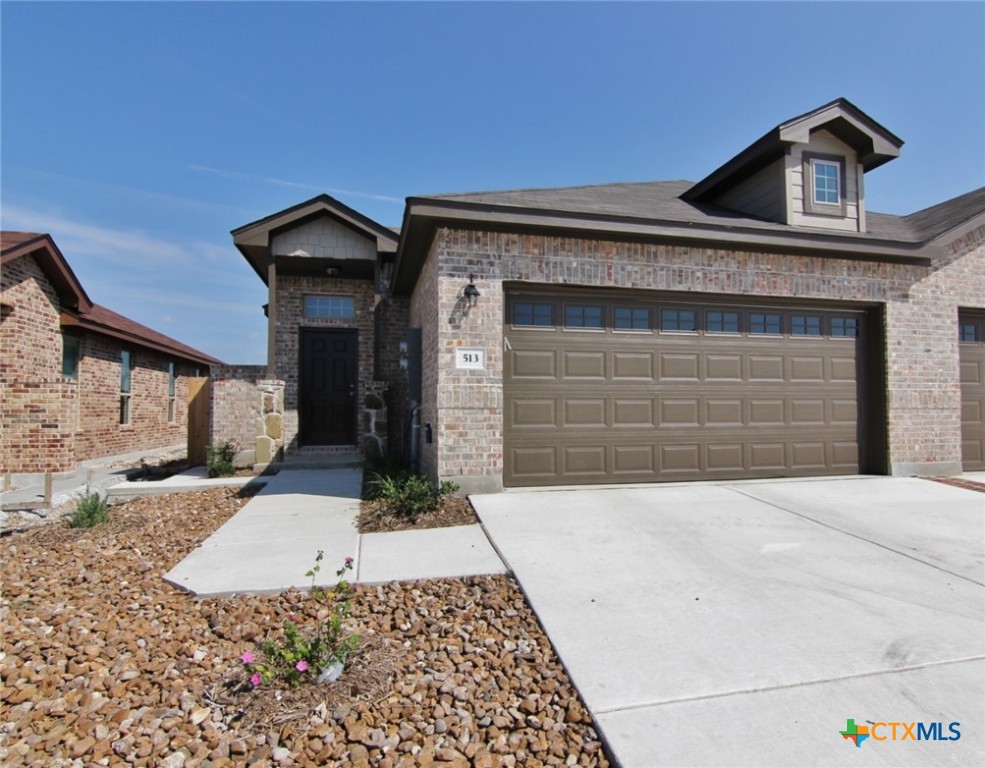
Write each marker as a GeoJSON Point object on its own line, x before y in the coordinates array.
{"type": "Point", "coordinates": [79, 381]}
{"type": "Point", "coordinates": [761, 322]}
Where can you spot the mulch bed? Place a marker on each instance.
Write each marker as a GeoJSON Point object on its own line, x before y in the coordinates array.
{"type": "Point", "coordinates": [102, 662]}
{"type": "Point", "coordinates": [451, 511]}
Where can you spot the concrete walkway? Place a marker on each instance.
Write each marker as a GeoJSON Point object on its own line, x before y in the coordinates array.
{"type": "Point", "coordinates": [95, 474]}
{"type": "Point", "coordinates": [272, 541]}
{"type": "Point", "coordinates": [743, 624]}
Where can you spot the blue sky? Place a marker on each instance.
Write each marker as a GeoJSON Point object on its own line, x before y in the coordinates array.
{"type": "Point", "coordinates": [140, 134]}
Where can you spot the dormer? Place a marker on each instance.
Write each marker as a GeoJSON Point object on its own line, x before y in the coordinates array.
{"type": "Point", "coordinates": [806, 172]}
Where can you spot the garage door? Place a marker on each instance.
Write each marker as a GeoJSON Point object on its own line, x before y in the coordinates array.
{"type": "Point", "coordinates": [622, 389]}
{"type": "Point", "coordinates": [972, 351]}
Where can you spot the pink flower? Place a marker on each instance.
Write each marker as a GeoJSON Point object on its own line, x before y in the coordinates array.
{"type": "Point", "coordinates": [301, 666]}
{"type": "Point", "coordinates": [348, 561]}
{"type": "Point", "coordinates": [255, 679]}
{"type": "Point", "coordinates": [247, 658]}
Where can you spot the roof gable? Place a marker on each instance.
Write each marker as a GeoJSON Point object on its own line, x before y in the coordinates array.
{"type": "Point", "coordinates": [253, 240]}
{"type": "Point", "coordinates": [16, 245]}
{"type": "Point", "coordinates": [78, 309]}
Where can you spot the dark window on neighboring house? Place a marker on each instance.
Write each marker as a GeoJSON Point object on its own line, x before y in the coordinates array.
{"type": "Point", "coordinates": [71, 353]}
{"type": "Point", "coordinates": [805, 325]}
{"type": "Point", "coordinates": [722, 322]}
{"type": "Point", "coordinates": [677, 320]}
{"type": "Point", "coordinates": [172, 379]}
{"type": "Point", "coordinates": [332, 307]}
{"type": "Point", "coordinates": [968, 332]}
{"type": "Point", "coordinates": [126, 375]}
{"type": "Point", "coordinates": [577, 316]}
{"type": "Point", "coordinates": [844, 326]}
{"type": "Point", "coordinates": [764, 322]}
{"type": "Point", "coordinates": [632, 319]}
{"type": "Point", "coordinates": [533, 314]}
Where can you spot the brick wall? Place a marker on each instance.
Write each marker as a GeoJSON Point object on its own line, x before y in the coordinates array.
{"type": "Point", "coordinates": [49, 422]}
{"type": "Point", "coordinates": [235, 404]}
{"type": "Point", "coordinates": [466, 406]}
{"type": "Point", "coordinates": [37, 405]}
{"type": "Point", "coordinates": [392, 317]}
{"type": "Point", "coordinates": [100, 432]}
{"type": "Point", "coordinates": [922, 351]}
{"type": "Point", "coordinates": [291, 291]}
{"type": "Point", "coordinates": [426, 314]}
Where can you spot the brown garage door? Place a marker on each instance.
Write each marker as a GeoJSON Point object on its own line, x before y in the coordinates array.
{"type": "Point", "coordinates": [621, 389]}
{"type": "Point", "coordinates": [972, 351]}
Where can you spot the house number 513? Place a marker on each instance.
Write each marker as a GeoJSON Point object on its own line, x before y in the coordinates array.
{"type": "Point", "coordinates": [470, 358]}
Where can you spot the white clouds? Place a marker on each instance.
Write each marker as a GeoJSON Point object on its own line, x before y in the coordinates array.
{"type": "Point", "coordinates": [200, 292]}
{"type": "Point", "coordinates": [250, 178]}
{"type": "Point", "coordinates": [146, 196]}
{"type": "Point", "coordinates": [77, 238]}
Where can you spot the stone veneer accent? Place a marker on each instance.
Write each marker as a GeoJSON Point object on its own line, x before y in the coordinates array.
{"type": "Point", "coordinates": [465, 407]}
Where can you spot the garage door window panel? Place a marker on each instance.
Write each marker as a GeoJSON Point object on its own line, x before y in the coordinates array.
{"type": "Point", "coordinates": [583, 317]}
{"type": "Point", "coordinates": [631, 319]}
{"type": "Point", "coordinates": [678, 320]}
{"type": "Point", "coordinates": [765, 323]}
{"type": "Point", "coordinates": [722, 322]}
{"type": "Point", "coordinates": [805, 325]}
{"type": "Point", "coordinates": [531, 315]}
{"type": "Point", "coordinates": [844, 326]}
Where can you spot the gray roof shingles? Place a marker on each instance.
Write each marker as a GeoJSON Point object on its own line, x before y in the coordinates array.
{"type": "Point", "coordinates": [660, 201]}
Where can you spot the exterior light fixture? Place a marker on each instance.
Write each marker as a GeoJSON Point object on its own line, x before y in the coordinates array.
{"type": "Point", "coordinates": [471, 293]}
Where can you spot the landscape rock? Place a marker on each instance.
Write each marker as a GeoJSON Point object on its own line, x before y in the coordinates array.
{"type": "Point", "coordinates": [126, 669]}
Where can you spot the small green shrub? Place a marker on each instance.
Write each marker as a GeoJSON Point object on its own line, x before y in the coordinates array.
{"type": "Point", "coordinates": [220, 459]}
{"type": "Point", "coordinates": [91, 510]}
{"type": "Point", "coordinates": [406, 495]}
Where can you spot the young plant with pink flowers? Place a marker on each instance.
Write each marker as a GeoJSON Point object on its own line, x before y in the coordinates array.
{"type": "Point", "coordinates": [299, 656]}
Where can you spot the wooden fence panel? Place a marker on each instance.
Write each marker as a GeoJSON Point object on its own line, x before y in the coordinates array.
{"type": "Point", "coordinates": [199, 414]}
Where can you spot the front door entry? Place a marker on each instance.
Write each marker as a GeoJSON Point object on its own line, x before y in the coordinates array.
{"type": "Point", "coordinates": [329, 376]}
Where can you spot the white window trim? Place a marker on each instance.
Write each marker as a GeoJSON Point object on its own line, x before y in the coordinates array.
{"type": "Point", "coordinates": [811, 204]}
{"type": "Point", "coordinates": [815, 164]}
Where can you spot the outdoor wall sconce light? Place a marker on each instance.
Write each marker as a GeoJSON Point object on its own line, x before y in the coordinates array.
{"type": "Point", "coordinates": [471, 293]}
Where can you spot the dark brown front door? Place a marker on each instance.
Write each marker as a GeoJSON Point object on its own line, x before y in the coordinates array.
{"type": "Point", "coordinates": [327, 412]}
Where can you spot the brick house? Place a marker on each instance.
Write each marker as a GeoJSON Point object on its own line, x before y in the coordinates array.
{"type": "Point", "coordinates": [761, 322]}
{"type": "Point", "coordinates": [77, 380]}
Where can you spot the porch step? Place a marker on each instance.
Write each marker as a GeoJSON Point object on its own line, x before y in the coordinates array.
{"type": "Point", "coordinates": [323, 458]}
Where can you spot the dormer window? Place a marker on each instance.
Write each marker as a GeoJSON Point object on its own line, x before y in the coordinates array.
{"type": "Point", "coordinates": [824, 179]}
{"type": "Point", "coordinates": [826, 182]}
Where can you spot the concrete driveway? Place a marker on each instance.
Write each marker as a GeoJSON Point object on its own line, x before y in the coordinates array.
{"type": "Point", "coordinates": [743, 624]}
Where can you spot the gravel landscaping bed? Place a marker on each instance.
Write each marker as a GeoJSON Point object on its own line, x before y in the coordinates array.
{"type": "Point", "coordinates": [103, 663]}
